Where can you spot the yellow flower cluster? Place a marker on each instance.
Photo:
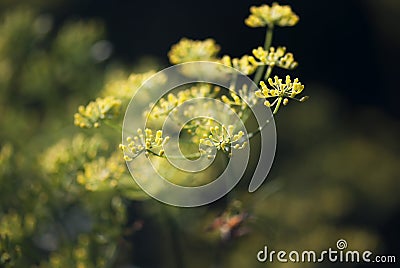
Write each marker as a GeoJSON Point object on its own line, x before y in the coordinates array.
{"type": "Point", "coordinates": [96, 111]}
{"type": "Point", "coordinates": [71, 154]}
{"type": "Point", "coordinates": [79, 256]}
{"type": "Point", "coordinates": [235, 101]}
{"type": "Point", "coordinates": [244, 64]}
{"type": "Point", "coordinates": [144, 142]}
{"type": "Point", "coordinates": [271, 15]}
{"type": "Point", "coordinates": [102, 173]}
{"type": "Point", "coordinates": [6, 153]}
{"type": "Point", "coordinates": [223, 138]}
{"type": "Point", "coordinates": [9, 252]}
{"type": "Point", "coordinates": [15, 225]}
{"type": "Point", "coordinates": [280, 89]}
{"type": "Point", "coordinates": [275, 57]}
{"type": "Point", "coordinates": [166, 105]}
{"type": "Point", "coordinates": [81, 253]}
{"type": "Point", "coordinates": [240, 104]}
{"type": "Point", "coordinates": [124, 89]}
{"type": "Point", "coordinates": [193, 50]}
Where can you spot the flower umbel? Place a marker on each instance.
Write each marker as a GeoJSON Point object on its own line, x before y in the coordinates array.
{"type": "Point", "coordinates": [223, 138]}
{"type": "Point", "coordinates": [243, 65]}
{"type": "Point", "coordinates": [240, 104]}
{"type": "Point", "coordinates": [193, 50]}
{"type": "Point", "coordinates": [101, 173]}
{"type": "Point", "coordinates": [144, 142]}
{"type": "Point", "coordinates": [275, 57]}
{"type": "Point", "coordinates": [281, 90]}
{"type": "Point", "coordinates": [97, 111]}
{"type": "Point", "coordinates": [125, 89]}
{"type": "Point", "coordinates": [271, 15]}
{"type": "Point", "coordinates": [165, 105]}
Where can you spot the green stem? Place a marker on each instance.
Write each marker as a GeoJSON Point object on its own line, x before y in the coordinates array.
{"type": "Point", "coordinates": [189, 156]}
{"type": "Point", "coordinates": [278, 105]}
{"type": "Point", "coordinates": [268, 73]}
{"type": "Point", "coordinates": [267, 44]}
{"type": "Point", "coordinates": [252, 134]}
{"type": "Point", "coordinates": [268, 37]}
{"type": "Point", "coordinates": [113, 126]}
{"type": "Point", "coordinates": [111, 256]}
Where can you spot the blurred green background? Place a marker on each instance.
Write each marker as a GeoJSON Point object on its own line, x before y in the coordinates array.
{"type": "Point", "coordinates": [336, 171]}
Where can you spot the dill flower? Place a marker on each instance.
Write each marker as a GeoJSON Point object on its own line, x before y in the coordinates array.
{"type": "Point", "coordinates": [243, 65]}
{"type": "Point", "coordinates": [70, 154]}
{"type": "Point", "coordinates": [240, 104]}
{"type": "Point", "coordinates": [165, 105]}
{"type": "Point", "coordinates": [281, 90]}
{"type": "Point", "coordinates": [193, 50]}
{"type": "Point", "coordinates": [144, 142]}
{"type": "Point", "coordinates": [271, 15]}
{"type": "Point", "coordinates": [99, 175]}
{"type": "Point", "coordinates": [104, 174]}
{"type": "Point", "coordinates": [124, 89]}
{"type": "Point", "coordinates": [96, 111]}
{"type": "Point", "coordinates": [275, 57]}
{"type": "Point", "coordinates": [223, 138]}
{"type": "Point", "coordinates": [11, 224]}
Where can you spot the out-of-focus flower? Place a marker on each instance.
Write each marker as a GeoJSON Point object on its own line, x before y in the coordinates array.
{"type": "Point", "coordinates": [243, 65]}
{"type": "Point", "coordinates": [97, 111]}
{"type": "Point", "coordinates": [15, 225]}
{"type": "Point", "coordinates": [6, 153]}
{"type": "Point", "coordinates": [193, 50]}
{"type": "Point", "coordinates": [124, 89]}
{"type": "Point", "coordinates": [80, 255]}
{"type": "Point", "coordinates": [276, 14]}
{"type": "Point", "coordinates": [9, 252]}
{"type": "Point", "coordinates": [11, 225]}
{"type": "Point", "coordinates": [240, 104]}
{"type": "Point", "coordinates": [103, 174]}
{"type": "Point", "coordinates": [69, 155]}
{"type": "Point", "coordinates": [165, 105]}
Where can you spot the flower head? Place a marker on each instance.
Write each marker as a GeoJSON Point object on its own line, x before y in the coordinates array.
{"type": "Point", "coordinates": [165, 105]}
{"type": "Point", "coordinates": [275, 57]}
{"type": "Point", "coordinates": [97, 111]}
{"type": "Point", "coordinates": [124, 89]}
{"type": "Point", "coordinates": [101, 173]}
{"type": "Point", "coordinates": [193, 50]}
{"type": "Point", "coordinates": [106, 174]}
{"type": "Point", "coordinates": [271, 15]}
{"type": "Point", "coordinates": [240, 104]}
{"type": "Point", "coordinates": [280, 89]}
{"type": "Point", "coordinates": [144, 142]}
{"type": "Point", "coordinates": [70, 154]}
{"type": "Point", "coordinates": [243, 65]}
{"type": "Point", "coordinates": [223, 138]}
